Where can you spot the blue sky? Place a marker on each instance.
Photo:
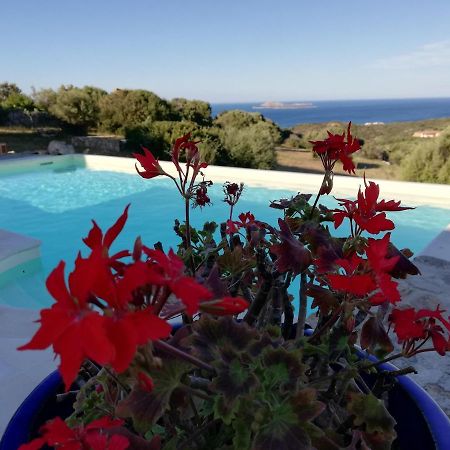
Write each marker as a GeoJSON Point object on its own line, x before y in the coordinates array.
{"type": "Point", "coordinates": [231, 50]}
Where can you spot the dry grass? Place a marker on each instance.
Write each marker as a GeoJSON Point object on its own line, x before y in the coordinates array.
{"type": "Point", "coordinates": [303, 161]}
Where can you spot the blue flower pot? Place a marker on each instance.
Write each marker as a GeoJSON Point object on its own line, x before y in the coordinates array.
{"type": "Point", "coordinates": [421, 423]}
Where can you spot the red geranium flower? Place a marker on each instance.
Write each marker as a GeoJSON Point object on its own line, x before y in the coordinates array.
{"type": "Point", "coordinates": [58, 435]}
{"type": "Point", "coordinates": [353, 282]}
{"type": "Point", "coordinates": [224, 306]}
{"type": "Point", "coordinates": [367, 212]}
{"type": "Point", "coordinates": [150, 164]}
{"type": "Point", "coordinates": [70, 325]}
{"type": "Point", "coordinates": [169, 271]}
{"type": "Point", "coordinates": [192, 154]}
{"type": "Point", "coordinates": [411, 325]}
{"type": "Point", "coordinates": [337, 147]}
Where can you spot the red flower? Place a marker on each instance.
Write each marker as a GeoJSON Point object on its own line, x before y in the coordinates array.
{"type": "Point", "coordinates": [201, 197]}
{"type": "Point", "coordinates": [376, 251]}
{"type": "Point", "coordinates": [352, 282]}
{"type": "Point", "coordinates": [145, 382]}
{"type": "Point", "coordinates": [231, 227]}
{"type": "Point", "coordinates": [95, 238]}
{"type": "Point", "coordinates": [192, 154]}
{"type": "Point", "coordinates": [58, 435]}
{"type": "Point", "coordinates": [224, 306]}
{"type": "Point", "coordinates": [75, 331]}
{"type": "Point", "coordinates": [411, 325]}
{"type": "Point", "coordinates": [232, 192]}
{"type": "Point", "coordinates": [245, 220]}
{"type": "Point", "coordinates": [366, 211]}
{"type": "Point", "coordinates": [337, 147]}
{"type": "Point", "coordinates": [149, 163]}
{"type": "Point", "coordinates": [127, 330]}
{"type": "Point", "coordinates": [169, 271]}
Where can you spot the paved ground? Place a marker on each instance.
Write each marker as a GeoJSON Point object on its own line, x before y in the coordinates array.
{"type": "Point", "coordinates": [427, 291]}
{"type": "Point", "coordinates": [20, 372]}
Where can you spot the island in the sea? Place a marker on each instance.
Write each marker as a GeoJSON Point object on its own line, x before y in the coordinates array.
{"type": "Point", "coordinates": [283, 105]}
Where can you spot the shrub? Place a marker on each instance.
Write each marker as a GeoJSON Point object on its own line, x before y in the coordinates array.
{"type": "Point", "coordinates": [191, 110]}
{"type": "Point", "coordinates": [78, 108]}
{"type": "Point", "coordinates": [130, 108]}
{"type": "Point", "coordinates": [248, 139]}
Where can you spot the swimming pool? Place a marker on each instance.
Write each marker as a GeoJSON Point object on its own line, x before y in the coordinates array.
{"type": "Point", "coordinates": [57, 207]}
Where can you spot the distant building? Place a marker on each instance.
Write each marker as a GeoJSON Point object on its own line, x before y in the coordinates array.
{"type": "Point", "coordinates": [427, 134]}
{"type": "Point", "coordinates": [367, 124]}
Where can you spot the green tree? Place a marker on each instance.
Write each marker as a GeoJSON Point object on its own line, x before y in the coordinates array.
{"type": "Point", "coordinates": [78, 107]}
{"type": "Point", "coordinates": [130, 108]}
{"type": "Point", "coordinates": [7, 89]}
{"type": "Point", "coordinates": [192, 110]}
{"type": "Point", "coordinates": [430, 161]}
{"type": "Point", "coordinates": [18, 100]}
{"type": "Point", "coordinates": [44, 99]}
{"type": "Point", "coordinates": [238, 119]}
{"type": "Point", "coordinates": [248, 139]}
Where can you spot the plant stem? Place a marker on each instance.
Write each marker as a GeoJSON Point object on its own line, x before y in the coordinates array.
{"type": "Point", "coordinates": [376, 363]}
{"type": "Point", "coordinates": [176, 352]}
{"type": "Point", "coordinates": [317, 197]}
{"type": "Point", "coordinates": [303, 306]}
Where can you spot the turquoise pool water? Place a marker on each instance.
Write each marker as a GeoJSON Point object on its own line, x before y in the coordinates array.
{"type": "Point", "coordinates": [57, 208]}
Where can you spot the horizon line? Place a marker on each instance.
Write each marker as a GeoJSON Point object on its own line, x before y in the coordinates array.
{"type": "Point", "coordinates": [326, 100]}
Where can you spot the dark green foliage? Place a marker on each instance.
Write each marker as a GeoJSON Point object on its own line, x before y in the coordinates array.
{"type": "Point", "coordinates": [371, 415]}
{"type": "Point", "coordinates": [140, 136]}
{"type": "Point", "coordinates": [7, 89]}
{"type": "Point", "coordinates": [129, 108]}
{"type": "Point", "coordinates": [429, 162]}
{"type": "Point", "coordinates": [249, 139]}
{"type": "Point", "coordinates": [192, 110]}
{"type": "Point", "coordinates": [146, 408]}
{"type": "Point", "coordinates": [18, 101]}
{"type": "Point", "coordinates": [44, 99]}
{"type": "Point", "coordinates": [77, 107]}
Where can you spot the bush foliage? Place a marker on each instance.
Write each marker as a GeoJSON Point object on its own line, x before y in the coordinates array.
{"type": "Point", "coordinates": [232, 138]}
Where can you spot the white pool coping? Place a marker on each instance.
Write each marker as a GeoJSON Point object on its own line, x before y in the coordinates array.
{"type": "Point", "coordinates": [408, 192]}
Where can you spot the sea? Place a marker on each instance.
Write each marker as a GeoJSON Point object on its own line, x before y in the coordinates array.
{"type": "Point", "coordinates": [358, 111]}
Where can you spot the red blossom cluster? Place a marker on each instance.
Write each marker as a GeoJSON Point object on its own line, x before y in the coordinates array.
{"type": "Point", "coordinates": [97, 435]}
{"type": "Point", "coordinates": [337, 147]}
{"type": "Point", "coordinates": [110, 307]}
{"type": "Point", "coordinates": [412, 326]}
{"type": "Point", "coordinates": [245, 220]}
{"type": "Point", "coordinates": [366, 213]}
{"type": "Point", "coordinates": [187, 176]}
{"type": "Point", "coordinates": [368, 276]}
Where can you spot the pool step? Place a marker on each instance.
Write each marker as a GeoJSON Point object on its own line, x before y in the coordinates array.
{"type": "Point", "coordinates": [16, 249]}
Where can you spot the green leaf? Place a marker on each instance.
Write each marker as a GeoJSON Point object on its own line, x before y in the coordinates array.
{"type": "Point", "coordinates": [242, 434]}
{"type": "Point", "coordinates": [282, 369]}
{"type": "Point", "coordinates": [371, 414]}
{"type": "Point", "coordinates": [282, 432]}
{"type": "Point", "coordinates": [306, 405]}
{"type": "Point", "coordinates": [225, 410]}
{"type": "Point", "coordinates": [234, 379]}
{"type": "Point", "coordinates": [146, 408]}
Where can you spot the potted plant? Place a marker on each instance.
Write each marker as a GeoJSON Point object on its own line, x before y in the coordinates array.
{"type": "Point", "coordinates": [238, 371]}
